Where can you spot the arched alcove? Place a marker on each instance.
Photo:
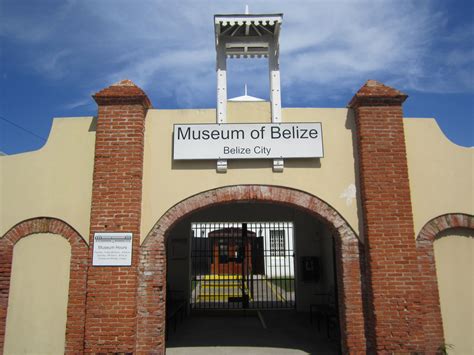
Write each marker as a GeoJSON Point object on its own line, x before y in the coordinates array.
{"type": "Point", "coordinates": [152, 268]}
{"type": "Point", "coordinates": [77, 276]}
{"type": "Point", "coordinates": [437, 229]}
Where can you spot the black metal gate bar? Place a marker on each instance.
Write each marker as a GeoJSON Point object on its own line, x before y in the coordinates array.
{"type": "Point", "coordinates": [237, 265]}
{"type": "Point", "coordinates": [245, 303]}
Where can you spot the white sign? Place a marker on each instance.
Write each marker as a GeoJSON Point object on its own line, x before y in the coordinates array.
{"type": "Point", "coordinates": [112, 249]}
{"type": "Point", "coordinates": [247, 141]}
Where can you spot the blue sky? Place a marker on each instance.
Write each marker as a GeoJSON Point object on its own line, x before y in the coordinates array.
{"type": "Point", "coordinates": [55, 54]}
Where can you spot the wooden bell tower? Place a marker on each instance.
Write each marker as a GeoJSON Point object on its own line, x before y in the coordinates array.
{"type": "Point", "coordinates": [248, 36]}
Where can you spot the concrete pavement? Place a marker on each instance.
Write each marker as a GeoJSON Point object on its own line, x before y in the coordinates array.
{"type": "Point", "coordinates": [286, 332]}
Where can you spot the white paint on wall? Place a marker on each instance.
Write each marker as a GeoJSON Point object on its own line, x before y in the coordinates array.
{"type": "Point", "coordinates": [349, 194]}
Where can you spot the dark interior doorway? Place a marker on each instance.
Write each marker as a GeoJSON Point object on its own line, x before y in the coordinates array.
{"type": "Point", "coordinates": [209, 250]}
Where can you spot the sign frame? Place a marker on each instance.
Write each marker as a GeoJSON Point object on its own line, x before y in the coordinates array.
{"type": "Point", "coordinates": [112, 249]}
{"type": "Point", "coordinates": [204, 149]}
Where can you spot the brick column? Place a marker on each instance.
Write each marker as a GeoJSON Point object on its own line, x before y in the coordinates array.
{"type": "Point", "coordinates": [116, 207]}
{"type": "Point", "coordinates": [394, 283]}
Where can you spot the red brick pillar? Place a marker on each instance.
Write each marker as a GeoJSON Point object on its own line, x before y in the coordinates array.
{"type": "Point", "coordinates": [393, 280]}
{"type": "Point", "coordinates": [116, 207]}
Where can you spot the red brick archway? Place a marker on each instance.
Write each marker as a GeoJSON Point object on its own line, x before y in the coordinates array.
{"type": "Point", "coordinates": [432, 322]}
{"type": "Point", "coordinates": [77, 278]}
{"type": "Point", "coordinates": [152, 264]}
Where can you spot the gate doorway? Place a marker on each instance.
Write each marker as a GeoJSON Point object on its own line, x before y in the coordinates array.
{"type": "Point", "coordinates": [247, 265]}
{"type": "Point", "coordinates": [264, 257]}
{"type": "Point", "coordinates": [322, 237]}
{"type": "Point", "coordinates": [252, 273]}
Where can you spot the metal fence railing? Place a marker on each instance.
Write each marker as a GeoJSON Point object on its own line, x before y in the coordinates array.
{"type": "Point", "coordinates": [238, 265]}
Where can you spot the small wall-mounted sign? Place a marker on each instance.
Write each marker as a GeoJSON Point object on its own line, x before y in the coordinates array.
{"type": "Point", "coordinates": [247, 141]}
{"type": "Point", "coordinates": [112, 249]}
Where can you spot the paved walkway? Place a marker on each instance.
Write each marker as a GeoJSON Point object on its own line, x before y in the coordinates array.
{"type": "Point", "coordinates": [213, 292]}
{"type": "Point", "coordinates": [286, 332]}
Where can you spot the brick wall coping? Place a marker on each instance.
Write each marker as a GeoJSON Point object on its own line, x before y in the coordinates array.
{"type": "Point", "coordinates": [374, 93]}
{"type": "Point", "coordinates": [124, 92]}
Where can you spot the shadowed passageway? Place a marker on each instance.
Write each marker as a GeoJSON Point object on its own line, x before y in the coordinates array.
{"type": "Point", "coordinates": [279, 332]}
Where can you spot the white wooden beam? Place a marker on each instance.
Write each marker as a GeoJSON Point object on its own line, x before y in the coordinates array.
{"type": "Point", "coordinates": [256, 30]}
{"type": "Point", "coordinates": [275, 94]}
{"type": "Point", "coordinates": [227, 30]}
{"type": "Point", "coordinates": [235, 31]}
{"type": "Point", "coordinates": [221, 112]}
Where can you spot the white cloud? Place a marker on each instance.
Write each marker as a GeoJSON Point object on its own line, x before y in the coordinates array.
{"type": "Point", "coordinates": [168, 46]}
{"type": "Point", "coordinates": [53, 64]}
{"type": "Point", "coordinates": [79, 103]}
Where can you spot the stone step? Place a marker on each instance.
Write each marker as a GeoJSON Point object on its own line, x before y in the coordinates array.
{"type": "Point", "coordinates": [220, 291]}
{"type": "Point", "coordinates": [221, 284]}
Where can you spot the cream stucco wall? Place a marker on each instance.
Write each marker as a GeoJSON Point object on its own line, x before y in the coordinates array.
{"type": "Point", "coordinates": [165, 182]}
{"type": "Point", "coordinates": [55, 181]}
{"type": "Point", "coordinates": [441, 172]}
{"type": "Point", "coordinates": [454, 254]}
{"type": "Point", "coordinates": [37, 304]}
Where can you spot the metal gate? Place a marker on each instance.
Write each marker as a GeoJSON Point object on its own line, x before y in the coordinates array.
{"type": "Point", "coordinates": [242, 265]}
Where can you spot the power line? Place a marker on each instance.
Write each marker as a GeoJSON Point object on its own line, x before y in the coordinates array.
{"type": "Point", "coordinates": [22, 128]}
